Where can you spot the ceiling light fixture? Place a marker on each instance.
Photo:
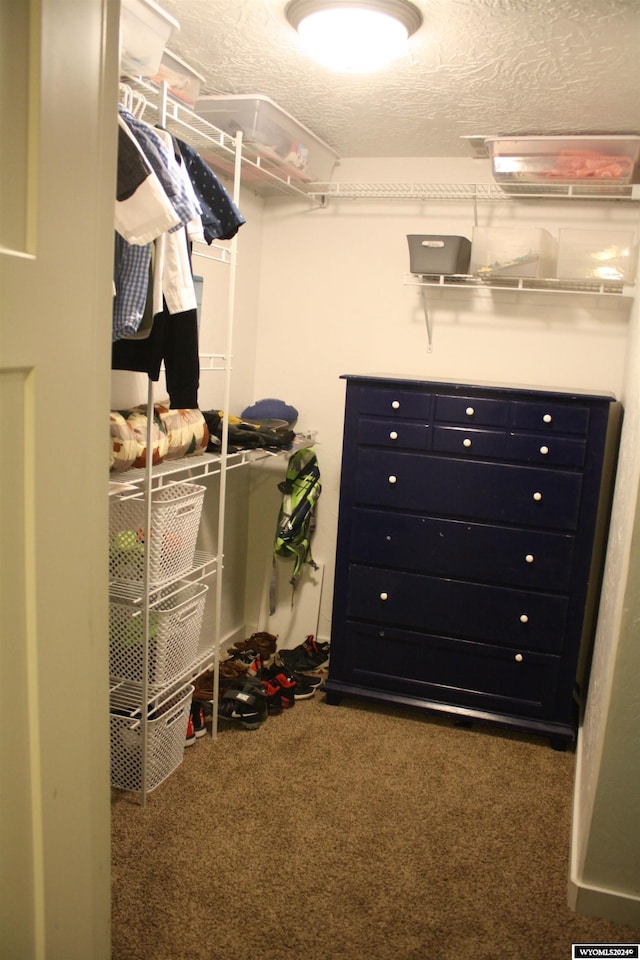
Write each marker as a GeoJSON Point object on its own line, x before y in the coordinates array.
{"type": "Point", "coordinates": [354, 36]}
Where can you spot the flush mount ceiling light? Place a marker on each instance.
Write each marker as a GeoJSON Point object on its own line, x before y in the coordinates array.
{"type": "Point", "coordinates": [354, 36]}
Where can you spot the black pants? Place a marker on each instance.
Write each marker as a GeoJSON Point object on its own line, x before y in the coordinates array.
{"type": "Point", "coordinates": [174, 339]}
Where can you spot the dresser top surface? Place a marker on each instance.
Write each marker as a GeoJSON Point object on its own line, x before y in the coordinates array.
{"type": "Point", "coordinates": [464, 385]}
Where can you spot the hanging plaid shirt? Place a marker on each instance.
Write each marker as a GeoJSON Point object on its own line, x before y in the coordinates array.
{"type": "Point", "coordinates": [131, 279]}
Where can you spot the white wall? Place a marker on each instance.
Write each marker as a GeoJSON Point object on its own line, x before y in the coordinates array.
{"type": "Point", "coordinates": [332, 301]}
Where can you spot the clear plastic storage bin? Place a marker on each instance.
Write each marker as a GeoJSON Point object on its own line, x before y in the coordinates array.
{"type": "Point", "coordinates": [175, 518]}
{"type": "Point", "coordinates": [572, 160]}
{"type": "Point", "coordinates": [166, 735]}
{"type": "Point", "coordinates": [144, 31]}
{"type": "Point", "coordinates": [505, 252]}
{"type": "Point", "coordinates": [271, 133]}
{"type": "Point", "coordinates": [182, 80]}
{"type": "Point", "coordinates": [175, 621]}
{"type": "Point", "coordinates": [603, 255]}
{"type": "Point", "coordinates": [438, 255]}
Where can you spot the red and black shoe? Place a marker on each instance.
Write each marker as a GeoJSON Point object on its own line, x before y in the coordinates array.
{"type": "Point", "coordinates": [197, 719]}
{"type": "Point", "coordinates": [287, 690]}
{"type": "Point", "coordinates": [190, 737]}
{"type": "Point", "coordinates": [307, 656]}
{"type": "Point", "coordinates": [273, 695]}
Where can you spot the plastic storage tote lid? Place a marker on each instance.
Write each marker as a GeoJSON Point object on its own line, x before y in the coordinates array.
{"type": "Point", "coordinates": [144, 31]}
{"type": "Point", "coordinates": [215, 103]}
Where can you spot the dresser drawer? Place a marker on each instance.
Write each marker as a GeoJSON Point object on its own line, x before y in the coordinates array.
{"type": "Point", "coordinates": [470, 442]}
{"type": "Point", "coordinates": [450, 671]}
{"type": "Point", "coordinates": [472, 410]}
{"type": "Point", "coordinates": [551, 417]}
{"type": "Point", "coordinates": [468, 489]}
{"type": "Point", "coordinates": [550, 451]}
{"type": "Point", "coordinates": [405, 435]}
{"type": "Point", "coordinates": [452, 548]}
{"type": "Point", "coordinates": [396, 403]}
{"type": "Point", "coordinates": [499, 615]}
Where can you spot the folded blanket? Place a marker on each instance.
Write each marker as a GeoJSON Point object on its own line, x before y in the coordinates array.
{"type": "Point", "coordinates": [186, 430]}
{"type": "Point", "coordinates": [174, 434]}
{"type": "Point", "coordinates": [124, 444]}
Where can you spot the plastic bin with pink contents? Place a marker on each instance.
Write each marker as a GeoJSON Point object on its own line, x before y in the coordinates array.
{"type": "Point", "coordinates": [564, 160]}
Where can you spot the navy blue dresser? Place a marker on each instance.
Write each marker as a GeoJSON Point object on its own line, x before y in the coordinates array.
{"type": "Point", "coordinates": [470, 547]}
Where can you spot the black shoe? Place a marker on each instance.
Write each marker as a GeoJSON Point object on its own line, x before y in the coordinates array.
{"type": "Point", "coordinates": [303, 689]}
{"type": "Point", "coordinates": [244, 703]}
{"type": "Point", "coordinates": [309, 655]}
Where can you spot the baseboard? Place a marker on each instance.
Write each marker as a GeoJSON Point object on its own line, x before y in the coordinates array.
{"type": "Point", "coordinates": [606, 904]}
{"type": "Point", "coordinates": [584, 898]}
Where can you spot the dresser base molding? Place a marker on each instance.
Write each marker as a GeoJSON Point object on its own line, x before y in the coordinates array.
{"type": "Point", "coordinates": [560, 734]}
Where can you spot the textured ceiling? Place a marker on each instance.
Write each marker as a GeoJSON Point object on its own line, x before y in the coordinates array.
{"type": "Point", "coordinates": [488, 67]}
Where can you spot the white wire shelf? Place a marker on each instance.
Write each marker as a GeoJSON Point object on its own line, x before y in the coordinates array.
{"type": "Point", "coordinates": [543, 285]}
{"type": "Point", "coordinates": [132, 591]}
{"type": "Point", "coordinates": [130, 483]}
{"type": "Point", "coordinates": [469, 191]}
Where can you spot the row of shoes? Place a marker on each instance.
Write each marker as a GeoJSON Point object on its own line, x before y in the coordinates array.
{"type": "Point", "coordinates": [257, 681]}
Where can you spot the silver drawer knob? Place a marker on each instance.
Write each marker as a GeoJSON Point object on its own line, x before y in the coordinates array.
{"type": "Point", "coordinates": [524, 618]}
{"type": "Point", "coordinates": [469, 411]}
{"type": "Point", "coordinates": [537, 496]}
{"type": "Point", "coordinates": [384, 596]}
{"type": "Point", "coordinates": [466, 442]}
{"type": "Point", "coordinates": [544, 450]}
{"type": "Point", "coordinates": [518, 658]}
{"type": "Point", "coordinates": [393, 479]}
{"type": "Point", "coordinates": [529, 558]}
{"type": "Point", "coordinates": [395, 404]}
{"type": "Point", "coordinates": [393, 435]}
{"type": "Point", "coordinates": [547, 418]}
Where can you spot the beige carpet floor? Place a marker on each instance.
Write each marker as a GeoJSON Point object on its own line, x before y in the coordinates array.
{"type": "Point", "coordinates": [356, 832]}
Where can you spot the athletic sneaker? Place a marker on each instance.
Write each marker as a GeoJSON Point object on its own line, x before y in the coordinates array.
{"type": "Point", "coordinates": [306, 656]}
{"type": "Point", "coordinates": [190, 738]}
{"type": "Point", "coordinates": [287, 686]}
{"type": "Point", "coordinates": [197, 719]}
{"type": "Point", "coordinates": [245, 703]}
{"type": "Point", "coordinates": [273, 695]}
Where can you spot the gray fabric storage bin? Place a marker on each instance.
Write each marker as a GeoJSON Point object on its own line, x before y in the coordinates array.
{"type": "Point", "coordinates": [430, 254]}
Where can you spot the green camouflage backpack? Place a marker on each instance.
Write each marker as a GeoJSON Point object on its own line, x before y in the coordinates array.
{"type": "Point", "coordinates": [296, 519]}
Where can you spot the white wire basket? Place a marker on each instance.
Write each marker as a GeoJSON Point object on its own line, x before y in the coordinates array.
{"type": "Point", "coordinates": [166, 735]}
{"type": "Point", "coordinates": [175, 621]}
{"type": "Point", "coordinates": [175, 518]}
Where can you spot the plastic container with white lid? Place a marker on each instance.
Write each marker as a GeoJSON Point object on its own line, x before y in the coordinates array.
{"type": "Point", "coordinates": [144, 31]}
{"type": "Point", "coordinates": [572, 160]}
{"type": "Point", "coordinates": [271, 133]}
{"type": "Point", "coordinates": [183, 81]}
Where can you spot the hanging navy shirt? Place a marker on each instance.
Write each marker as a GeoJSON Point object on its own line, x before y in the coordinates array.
{"type": "Point", "coordinates": [221, 218]}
